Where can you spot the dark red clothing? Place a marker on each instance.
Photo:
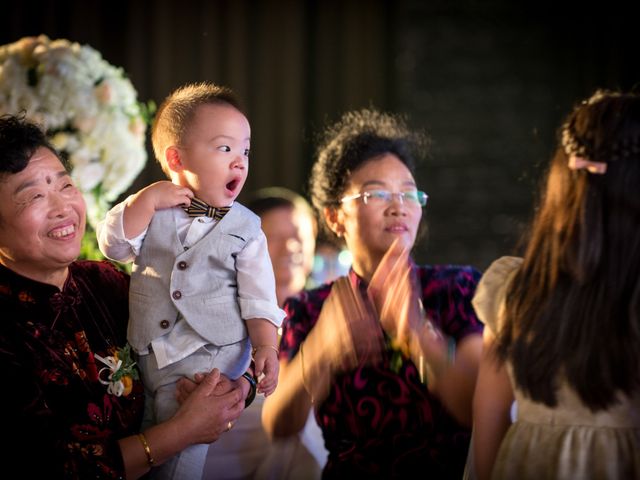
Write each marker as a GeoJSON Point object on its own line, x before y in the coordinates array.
{"type": "Point", "coordinates": [57, 419]}
{"type": "Point", "coordinates": [381, 424]}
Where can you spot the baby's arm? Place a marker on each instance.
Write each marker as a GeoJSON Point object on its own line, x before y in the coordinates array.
{"type": "Point", "coordinates": [264, 338]}
{"type": "Point", "coordinates": [258, 305]}
{"type": "Point", "coordinates": [141, 206]}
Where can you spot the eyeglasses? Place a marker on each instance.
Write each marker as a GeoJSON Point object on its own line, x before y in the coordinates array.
{"type": "Point", "coordinates": [384, 197]}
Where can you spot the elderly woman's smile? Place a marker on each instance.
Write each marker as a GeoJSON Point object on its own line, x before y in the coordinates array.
{"type": "Point", "coordinates": [42, 219]}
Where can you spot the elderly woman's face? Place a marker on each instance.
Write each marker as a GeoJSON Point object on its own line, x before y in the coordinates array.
{"type": "Point", "coordinates": [42, 217]}
{"type": "Point", "coordinates": [370, 228]}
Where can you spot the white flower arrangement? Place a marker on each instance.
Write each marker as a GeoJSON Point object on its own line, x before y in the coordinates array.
{"type": "Point", "coordinates": [88, 107]}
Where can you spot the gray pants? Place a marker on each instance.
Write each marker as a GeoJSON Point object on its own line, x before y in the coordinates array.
{"type": "Point", "coordinates": [161, 403]}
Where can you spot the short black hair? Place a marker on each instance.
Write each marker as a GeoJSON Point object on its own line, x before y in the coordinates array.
{"type": "Point", "coordinates": [352, 141]}
{"type": "Point", "coordinates": [270, 198]}
{"type": "Point", "coordinates": [19, 139]}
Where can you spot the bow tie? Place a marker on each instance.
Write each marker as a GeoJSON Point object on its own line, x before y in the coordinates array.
{"type": "Point", "coordinates": [198, 208]}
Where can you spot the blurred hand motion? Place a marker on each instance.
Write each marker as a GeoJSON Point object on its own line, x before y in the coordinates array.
{"type": "Point", "coordinates": [395, 293]}
{"type": "Point", "coordinates": [346, 336]}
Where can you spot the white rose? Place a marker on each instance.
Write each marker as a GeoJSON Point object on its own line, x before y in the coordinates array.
{"type": "Point", "coordinates": [104, 92]}
{"type": "Point", "coordinates": [85, 123]}
{"type": "Point", "coordinates": [88, 176]}
{"type": "Point", "coordinates": [81, 156]}
{"type": "Point", "coordinates": [89, 106]}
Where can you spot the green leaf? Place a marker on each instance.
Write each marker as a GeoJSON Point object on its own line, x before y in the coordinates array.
{"type": "Point", "coordinates": [396, 361]}
{"type": "Point", "coordinates": [128, 367]}
{"type": "Point", "coordinates": [148, 111]}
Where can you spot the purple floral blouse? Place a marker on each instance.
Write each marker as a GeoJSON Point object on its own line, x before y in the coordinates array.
{"type": "Point", "coordinates": [381, 424]}
{"type": "Point", "coordinates": [57, 419]}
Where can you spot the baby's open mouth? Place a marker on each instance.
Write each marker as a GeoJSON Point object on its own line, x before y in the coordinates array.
{"type": "Point", "coordinates": [231, 186]}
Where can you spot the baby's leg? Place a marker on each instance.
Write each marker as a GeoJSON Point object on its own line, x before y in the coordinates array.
{"type": "Point", "coordinates": [165, 403]}
{"type": "Point", "coordinates": [161, 404]}
{"type": "Point", "coordinates": [186, 466]}
{"type": "Point", "coordinates": [189, 463]}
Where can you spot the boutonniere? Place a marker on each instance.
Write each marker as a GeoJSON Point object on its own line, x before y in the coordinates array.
{"type": "Point", "coordinates": [400, 349]}
{"type": "Point", "coordinates": [441, 345]}
{"type": "Point", "coordinates": [399, 352]}
{"type": "Point", "coordinates": [121, 371]}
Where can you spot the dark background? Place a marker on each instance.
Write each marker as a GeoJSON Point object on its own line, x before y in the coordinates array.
{"type": "Point", "coordinates": [489, 81]}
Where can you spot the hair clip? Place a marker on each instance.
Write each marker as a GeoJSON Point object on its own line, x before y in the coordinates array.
{"type": "Point", "coordinates": [579, 163]}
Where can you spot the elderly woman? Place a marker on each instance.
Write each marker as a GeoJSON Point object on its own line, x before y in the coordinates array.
{"type": "Point", "coordinates": [378, 418]}
{"type": "Point", "coordinates": [72, 403]}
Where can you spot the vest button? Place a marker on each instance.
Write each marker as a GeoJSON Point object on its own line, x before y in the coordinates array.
{"type": "Point", "coordinates": [182, 265]}
{"type": "Point", "coordinates": [177, 295]}
{"type": "Point", "coordinates": [164, 324]}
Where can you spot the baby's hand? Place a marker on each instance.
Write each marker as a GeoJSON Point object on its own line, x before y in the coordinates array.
{"type": "Point", "coordinates": [266, 368]}
{"type": "Point", "coordinates": [164, 194]}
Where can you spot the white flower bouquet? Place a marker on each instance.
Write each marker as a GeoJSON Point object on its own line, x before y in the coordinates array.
{"type": "Point", "coordinates": [88, 107]}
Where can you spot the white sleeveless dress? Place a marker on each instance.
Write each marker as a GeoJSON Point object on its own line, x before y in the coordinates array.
{"type": "Point", "coordinates": [568, 441]}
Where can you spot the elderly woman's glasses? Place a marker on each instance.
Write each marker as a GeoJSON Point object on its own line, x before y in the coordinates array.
{"type": "Point", "coordinates": [384, 197]}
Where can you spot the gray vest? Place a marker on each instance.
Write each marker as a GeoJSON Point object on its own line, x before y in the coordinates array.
{"type": "Point", "coordinates": [199, 283]}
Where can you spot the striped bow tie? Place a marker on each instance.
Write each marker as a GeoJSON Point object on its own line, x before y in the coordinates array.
{"type": "Point", "coordinates": [198, 208]}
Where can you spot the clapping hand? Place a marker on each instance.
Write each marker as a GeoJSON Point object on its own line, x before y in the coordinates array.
{"type": "Point", "coordinates": [346, 335]}
{"type": "Point", "coordinates": [395, 293]}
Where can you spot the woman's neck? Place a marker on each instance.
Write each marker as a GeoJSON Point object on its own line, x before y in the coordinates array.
{"type": "Point", "coordinates": [365, 269]}
{"type": "Point", "coordinates": [56, 277]}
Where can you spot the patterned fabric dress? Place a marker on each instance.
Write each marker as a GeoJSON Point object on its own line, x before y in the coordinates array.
{"type": "Point", "coordinates": [57, 418]}
{"type": "Point", "coordinates": [381, 424]}
{"type": "Point", "coordinates": [568, 441]}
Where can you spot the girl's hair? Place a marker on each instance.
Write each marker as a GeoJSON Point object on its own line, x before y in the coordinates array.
{"type": "Point", "coordinates": [355, 139]}
{"type": "Point", "coordinates": [573, 309]}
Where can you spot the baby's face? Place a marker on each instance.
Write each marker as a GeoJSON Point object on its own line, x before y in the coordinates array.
{"type": "Point", "coordinates": [215, 154]}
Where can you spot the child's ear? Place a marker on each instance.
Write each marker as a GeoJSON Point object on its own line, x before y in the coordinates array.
{"type": "Point", "coordinates": [174, 161]}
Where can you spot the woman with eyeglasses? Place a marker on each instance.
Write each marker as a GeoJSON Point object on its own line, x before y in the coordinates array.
{"type": "Point", "coordinates": [392, 395]}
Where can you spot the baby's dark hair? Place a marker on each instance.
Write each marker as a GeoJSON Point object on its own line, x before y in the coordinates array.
{"type": "Point", "coordinates": [19, 139]}
{"type": "Point", "coordinates": [355, 139]}
{"type": "Point", "coordinates": [176, 112]}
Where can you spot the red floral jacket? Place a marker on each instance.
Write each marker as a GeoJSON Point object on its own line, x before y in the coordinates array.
{"type": "Point", "coordinates": [382, 422]}
{"type": "Point", "coordinates": [58, 419]}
